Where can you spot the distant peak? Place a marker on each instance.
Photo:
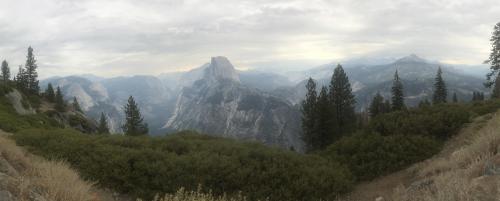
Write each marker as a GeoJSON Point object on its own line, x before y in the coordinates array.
{"type": "Point", "coordinates": [221, 68]}
{"type": "Point", "coordinates": [413, 58]}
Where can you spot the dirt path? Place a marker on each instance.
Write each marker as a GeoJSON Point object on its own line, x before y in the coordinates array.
{"type": "Point", "coordinates": [384, 186]}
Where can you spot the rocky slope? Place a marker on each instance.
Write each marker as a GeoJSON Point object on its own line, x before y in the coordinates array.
{"type": "Point", "coordinates": [219, 104]}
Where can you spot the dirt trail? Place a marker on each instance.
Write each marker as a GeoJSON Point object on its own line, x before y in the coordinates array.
{"type": "Point", "coordinates": [384, 187]}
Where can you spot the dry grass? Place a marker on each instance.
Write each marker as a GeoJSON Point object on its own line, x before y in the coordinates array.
{"type": "Point", "coordinates": [183, 195]}
{"type": "Point", "coordinates": [38, 177]}
{"type": "Point", "coordinates": [459, 176]}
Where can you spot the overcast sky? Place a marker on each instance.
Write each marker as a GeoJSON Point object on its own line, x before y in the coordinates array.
{"type": "Point", "coordinates": [127, 37]}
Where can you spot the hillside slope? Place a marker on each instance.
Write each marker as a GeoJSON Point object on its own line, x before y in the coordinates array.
{"type": "Point", "coordinates": [26, 177]}
{"type": "Point", "coordinates": [468, 168]}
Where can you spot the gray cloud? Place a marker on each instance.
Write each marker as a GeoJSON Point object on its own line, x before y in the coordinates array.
{"type": "Point", "coordinates": [153, 36]}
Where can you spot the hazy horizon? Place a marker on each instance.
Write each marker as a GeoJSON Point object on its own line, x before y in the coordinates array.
{"type": "Point", "coordinates": [120, 38]}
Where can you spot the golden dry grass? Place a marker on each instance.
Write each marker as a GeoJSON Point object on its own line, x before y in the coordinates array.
{"type": "Point", "coordinates": [182, 195]}
{"type": "Point", "coordinates": [34, 176]}
{"type": "Point", "coordinates": [459, 176]}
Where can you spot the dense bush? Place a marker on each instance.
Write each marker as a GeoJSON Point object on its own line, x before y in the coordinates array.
{"type": "Point", "coordinates": [369, 155]}
{"type": "Point", "coordinates": [440, 121]}
{"type": "Point", "coordinates": [395, 140]}
{"type": "Point", "coordinates": [145, 166]}
{"type": "Point", "coordinates": [483, 107]}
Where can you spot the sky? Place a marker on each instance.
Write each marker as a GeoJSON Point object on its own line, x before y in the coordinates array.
{"type": "Point", "coordinates": [129, 37]}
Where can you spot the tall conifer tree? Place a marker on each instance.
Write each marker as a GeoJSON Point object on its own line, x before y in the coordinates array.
{"type": "Point", "coordinates": [49, 93]}
{"type": "Point", "coordinates": [440, 92]}
{"type": "Point", "coordinates": [309, 115]}
{"type": "Point", "coordinates": [21, 81]}
{"type": "Point", "coordinates": [494, 61]}
{"type": "Point", "coordinates": [495, 94]}
{"type": "Point", "coordinates": [134, 125]}
{"type": "Point", "coordinates": [342, 104]}
{"type": "Point", "coordinates": [5, 71]}
{"type": "Point", "coordinates": [76, 105]}
{"type": "Point", "coordinates": [455, 99]}
{"type": "Point", "coordinates": [103, 125]}
{"type": "Point", "coordinates": [424, 103]}
{"type": "Point", "coordinates": [377, 106]}
{"type": "Point", "coordinates": [31, 73]}
{"type": "Point", "coordinates": [398, 102]}
{"type": "Point", "coordinates": [323, 128]}
{"type": "Point", "coordinates": [60, 105]}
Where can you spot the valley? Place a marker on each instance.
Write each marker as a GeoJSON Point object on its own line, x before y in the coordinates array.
{"type": "Point", "coordinates": [177, 101]}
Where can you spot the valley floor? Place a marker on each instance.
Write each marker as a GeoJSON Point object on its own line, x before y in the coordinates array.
{"type": "Point", "coordinates": [468, 168]}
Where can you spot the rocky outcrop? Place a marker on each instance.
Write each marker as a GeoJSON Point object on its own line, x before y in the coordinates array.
{"type": "Point", "coordinates": [16, 99]}
{"type": "Point", "coordinates": [219, 104]}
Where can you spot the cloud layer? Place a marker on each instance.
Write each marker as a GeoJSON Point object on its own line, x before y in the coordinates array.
{"type": "Point", "coordinates": [129, 37]}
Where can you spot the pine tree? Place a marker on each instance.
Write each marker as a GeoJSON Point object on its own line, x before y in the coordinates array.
{"type": "Point", "coordinates": [49, 93]}
{"type": "Point", "coordinates": [387, 106]}
{"type": "Point", "coordinates": [103, 125]}
{"type": "Point", "coordinates": [342, 104]}
{"type": "Point", "coordinates": [21, 81]}
{"type": "Point", "coordinates": [76, 105]}
{"type": "Point", "coordinates": [5, 71]}
{"type": "Point", "coordinates": [494, 60]}
{"type": "Point", "coordinates": [377, 105]}
{"type": "Point", "coordinates": [134, 125]}
{"type": "Point", "coordinates": [424, 103]}
{"type": "Point", "coordinates": [495, 94]}
{"type": "Point", "coordinates": [60, 104]}
{"type": "Point", "coordinates": [440, 93]}
{"type": "Point", "coordinates": [309, 115]}
{"type": "Point", "coordinates": [455, 99]}
{"type": "Point", "coordinates": [323, 127]}
{"type": "Point", "coordinates": [477, 96]}
{"type": "Point", "coordinates": [31, 73]}
{"type": "Point", "coordinates": [398, 102]}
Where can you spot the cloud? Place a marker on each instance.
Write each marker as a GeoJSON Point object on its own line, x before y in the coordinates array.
{"type": "Point", "coordinates": [125, 37]}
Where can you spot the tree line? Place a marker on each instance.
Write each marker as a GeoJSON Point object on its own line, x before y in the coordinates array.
{"type": "Point", "coordinates": [26, 80]}
{"type": "Point", "coordinates": [329, 115]}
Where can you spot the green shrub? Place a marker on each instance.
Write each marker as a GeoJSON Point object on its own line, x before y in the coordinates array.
{"type": "Point", "coordinates": [145, 166]}
{"type": "Point", "coordinates": [479, 108]}
{"type": "Point", "coordinates": [440, 121]}
{"type": "Point", "coordinates": [369, 155]}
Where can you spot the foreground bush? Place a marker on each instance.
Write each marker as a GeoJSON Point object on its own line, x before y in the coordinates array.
{"type": "Point", "coordinates": [369, 155]}
{"type": "Point", "coordinates": [439, 122]}
{"type": "Point", "coordinates": [398, 139]}
{"type": "Point", "coordinates": [144, 166]}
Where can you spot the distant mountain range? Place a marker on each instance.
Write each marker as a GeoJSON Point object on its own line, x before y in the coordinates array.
{"type": "Point", "coordinates": [253, 105]}
{"type": "Point", "coordinates": [416, 73]}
